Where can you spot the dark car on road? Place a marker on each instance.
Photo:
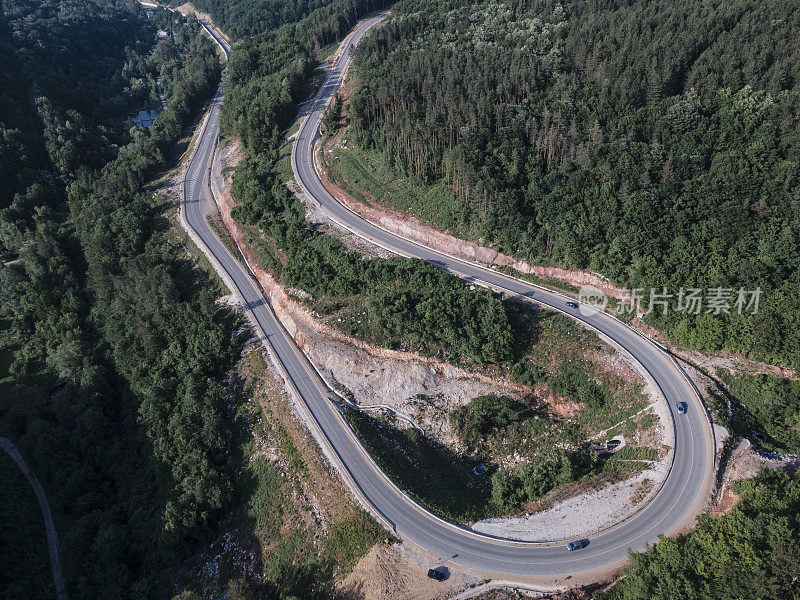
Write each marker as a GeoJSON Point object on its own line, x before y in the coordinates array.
{"type": "Point", "coordinates": [437, 574]}
{"type": "Point", "coordinates": [682, 407]}
{"type": "Point", "coordinates": [577, 545]}
{"type": "Point", "coordinates": [572, 304]}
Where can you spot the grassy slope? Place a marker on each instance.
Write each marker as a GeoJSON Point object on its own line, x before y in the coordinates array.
{"type": "Point", "coordinates": [295, 489]}
{"type": "Point", "coordinates": [367, 176]}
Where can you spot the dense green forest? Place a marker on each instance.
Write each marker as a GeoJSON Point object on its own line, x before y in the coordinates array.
{"type": "Point", "coordinates": [247, 18]}
{"type": "Point", "coordinates": [113, 348]}
{"type": "Point", "coordinates": [56, 60]}
{"type": "Point", "coordinates": [244, 18]}
{"type": "Point", "coordinates": [770, 409]}
{"type": "Point", "coordinates": [408, 300]}
{"type": "Point", "coordinates": [269, 75]}
{"type": "Point", "coordinates": [312, 23]}
{"type": "Point", "coordinates": [656, 143]}
{"type": "Point", "coordinates": [747, 553]}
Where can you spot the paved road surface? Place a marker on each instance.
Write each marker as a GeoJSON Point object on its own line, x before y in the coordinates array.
{"type": "Point", "coordinates": [693, 461]}
{"type": "Point", "coordinates": [50, 528]}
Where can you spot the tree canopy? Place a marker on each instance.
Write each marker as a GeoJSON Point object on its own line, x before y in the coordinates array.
{"type": "Point", "coordinates": [113, 348]}
{"type": "Point", "coordinates": [744, 554]}
{"type": "Point", "coordinates": [655, 143]}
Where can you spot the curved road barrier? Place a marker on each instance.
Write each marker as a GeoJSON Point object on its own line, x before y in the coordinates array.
{"type": "Point", "coordinates": [682, 496]}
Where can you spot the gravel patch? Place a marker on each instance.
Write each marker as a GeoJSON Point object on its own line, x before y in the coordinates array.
{"type": "Point", "coordinates": [581, 515]}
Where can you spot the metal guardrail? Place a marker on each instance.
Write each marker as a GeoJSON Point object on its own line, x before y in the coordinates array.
{"type": "Point", "coordinates": [334, 456]}
{"type": "Point", "coordinates": [673, 362]}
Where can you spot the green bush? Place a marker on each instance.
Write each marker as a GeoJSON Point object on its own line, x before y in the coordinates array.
{"type": "Point", "coordinates": [748, 553]}
{"type": "Point", "coordinates": [546, 471]}
{"type": "Point", "coordinates": [264, 483]}
{"type": "Point", "coordinates": [772, 407]}
{"type": "Point", "coordinates": [526, 373]}
{"type": "Point", "coordinates": [486, 416]}
{"type": "Point", "coordinates": [573, 382]}
{"type": "Point", "coordinates": [352, 539]}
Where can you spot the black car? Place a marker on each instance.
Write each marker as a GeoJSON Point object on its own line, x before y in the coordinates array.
{"type": "Point", "coordinates": [572, 304]}
{"type": "Point", "coordinates": [577, 545]}
{"type": "Point", "coordinates": [682, 407]}
{"type": "Point", "coordinates": [436, 574]}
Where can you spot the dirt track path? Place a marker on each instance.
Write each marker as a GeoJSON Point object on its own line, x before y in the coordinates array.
{"type": "Point", "coordinates": [50, 528]}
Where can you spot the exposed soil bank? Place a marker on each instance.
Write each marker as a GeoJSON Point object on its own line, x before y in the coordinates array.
{"type": "Point", "coordinates": [416, 230]}
{"type": "Point", "coordinates": [424, 391]}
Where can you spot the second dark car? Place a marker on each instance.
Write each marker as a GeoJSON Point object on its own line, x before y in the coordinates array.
{"type": "Point", "coordinates": [577, 545]}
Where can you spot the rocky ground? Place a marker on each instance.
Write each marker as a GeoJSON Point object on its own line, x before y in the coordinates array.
{"type": "Point", "coordinates": [744, 463]}
{"type": "Point", "coordinates": [422, 391]}
{"type": "Point", "coordinates": [425, 391]}
{"type": "Point", "coordinates": [583, 514]}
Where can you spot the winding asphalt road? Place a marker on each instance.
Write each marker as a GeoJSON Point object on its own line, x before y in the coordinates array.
{"type": "Point", "coordinates": [49, 527]}
{"type": "Point", "coordinates": [680, 497]}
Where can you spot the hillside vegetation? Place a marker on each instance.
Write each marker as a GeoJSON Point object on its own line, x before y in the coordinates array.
{"type": "Point", "coordinates": [656, 143]}
{"type": "Point", "coordinates": [407, 301]}
{"type": "Point", "coordinates": [113, 349]}
{"type": "Point", "coordinates": [770, 409]}
{"type": "Point", "coordinates": [320, 22]}
{"type": "Point", "coordinates": [742, 554]}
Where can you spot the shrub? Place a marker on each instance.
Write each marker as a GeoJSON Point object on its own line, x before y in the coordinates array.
{"type": "Point", "coordinates": [485, 415]}
{"type": "Point", "coordinates": [351, 539]}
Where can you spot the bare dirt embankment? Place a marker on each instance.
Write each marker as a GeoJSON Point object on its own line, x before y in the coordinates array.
{"type": "Point", "coordinates": [373, 375]}
{"type": "Point", "coordinates": [414, 229]}
{"type": "Point", "coordinates": [188, 8]}
{"type": "Point", "coordinates": [400, 573]}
